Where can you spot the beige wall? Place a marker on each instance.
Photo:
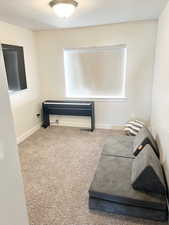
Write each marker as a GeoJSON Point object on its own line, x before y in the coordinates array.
{"type": "Point", "coordinates": [25, 104]}
{"type": "Point", "coordinates": [160, 102]}
{"type": "Point", "coordinates": [140, 40]}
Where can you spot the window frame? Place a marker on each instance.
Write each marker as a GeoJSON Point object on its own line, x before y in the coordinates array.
{"type": "Point", "coordinates": [122, 97]}
{"type": "Point", "coordinates": [22, 69]}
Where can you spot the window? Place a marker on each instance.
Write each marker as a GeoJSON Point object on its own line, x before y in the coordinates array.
{"type": "Point", "coordinates": [15, 67]}
{"type": "Point", "coordinates": [95, 72]}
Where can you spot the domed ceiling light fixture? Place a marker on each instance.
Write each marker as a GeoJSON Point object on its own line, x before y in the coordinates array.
{"type": "Point", "coordinates": [63, 8]}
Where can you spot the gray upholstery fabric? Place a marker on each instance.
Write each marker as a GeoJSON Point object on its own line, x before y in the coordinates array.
{"type": "Point", "coordinates": [140, 212]}
{"type": "Point", "coordinates": [142, 138]}
{"type": "Point", "coordinates": [112, 182]}
{"type": "Point", "coordinates": [121, 146]}
{"type": "Point", "coordinates": [147, 173]}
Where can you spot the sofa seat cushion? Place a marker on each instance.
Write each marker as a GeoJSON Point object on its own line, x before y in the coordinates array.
{"type": "Point", "coordinates": [112, 182]}
{"type": "Point", "coordinates": [141, 139]}
{"type": "Point", "coordinates": [121, 146]}
{"type": "Point", "coordinates": [147, 174]}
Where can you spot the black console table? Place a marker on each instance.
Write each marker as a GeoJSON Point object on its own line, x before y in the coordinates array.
{"type": "Point", "coordinates": [71, 108]}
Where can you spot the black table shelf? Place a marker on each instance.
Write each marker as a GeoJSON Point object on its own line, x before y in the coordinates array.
{"type": "Point", "coordinates": [71, 108]}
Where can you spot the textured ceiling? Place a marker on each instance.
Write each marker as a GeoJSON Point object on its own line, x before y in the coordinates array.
{"type": "Point", "coordinates": [37, 15]}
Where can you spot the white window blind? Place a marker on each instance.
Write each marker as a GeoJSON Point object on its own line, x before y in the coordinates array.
{"type": "Point", "coordinates": [95, 72]}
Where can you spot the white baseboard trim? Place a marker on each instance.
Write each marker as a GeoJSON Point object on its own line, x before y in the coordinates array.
{"type": "Point", "coordinates": [86, 125]}
{"type": "Point", "coordinates": [70, 124]}
{"type": "Point", "coordinates": [109, 126]}
{"type": "Point", "coordinates": [28, 133]}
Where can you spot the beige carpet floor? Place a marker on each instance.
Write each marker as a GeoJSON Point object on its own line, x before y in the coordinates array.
{"type": "Point", "coordinates": [58, 165]}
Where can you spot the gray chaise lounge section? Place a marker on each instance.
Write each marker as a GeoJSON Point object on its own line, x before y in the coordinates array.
{"type": "Point", "coordinates": [112, 185]}
{"type": "Point", "coordinates": [112, 191]}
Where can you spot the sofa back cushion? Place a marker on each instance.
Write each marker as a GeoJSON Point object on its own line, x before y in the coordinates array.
{"type": "Point", "coordinates": [147, 174]}
{"type": "Point", "coordinates": [142, 138]}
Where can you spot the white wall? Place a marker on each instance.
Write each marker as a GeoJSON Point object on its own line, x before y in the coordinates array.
{"type": "Point", "coordinates": [12, 201]}
{"type": "Point", "coordinates": [25, 104]}
{"type": "Point", "coordinates": [160, 101]}
{"type": "Point", "coordinates": [140, 40]}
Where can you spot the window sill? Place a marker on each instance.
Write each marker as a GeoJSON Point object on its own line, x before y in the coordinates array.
{"type": "Point", "coordinates": [99, 99]}
{"type": "Point", "coordinates": [11, 93]}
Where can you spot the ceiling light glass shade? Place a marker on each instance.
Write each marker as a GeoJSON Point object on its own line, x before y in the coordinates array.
{"type": "Point", "coordinates": [63, 8]}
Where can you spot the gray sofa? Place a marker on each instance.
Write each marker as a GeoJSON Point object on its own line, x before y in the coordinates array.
{"type": "Point", "coordinates": [129, 179]}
